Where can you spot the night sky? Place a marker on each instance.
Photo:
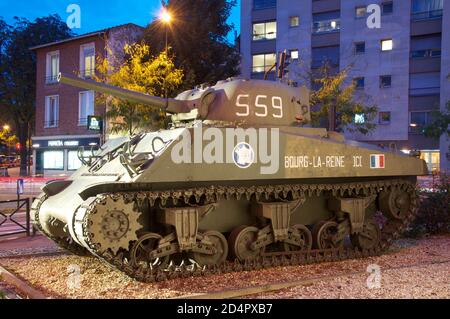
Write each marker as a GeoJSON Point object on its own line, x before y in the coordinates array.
{"type": "Point", "coordinates": [95, 15]}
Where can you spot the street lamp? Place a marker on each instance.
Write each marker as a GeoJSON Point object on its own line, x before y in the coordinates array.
{"type": "Point", "coordinates": [6, 127]}
{"type": "Point", "coordinates": [166, 18]}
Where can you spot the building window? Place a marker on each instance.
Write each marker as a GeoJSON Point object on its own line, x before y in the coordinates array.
{"type": "Point", "coordinates": [54, 160]}
{"type": "Point", "coordinates": [427, 9]}
{"type": "Point", "coordinates": [360, 12]}
{"type": "Point", "coordinates": [384, 118]}
{"type": "Point", "coordinates": [385, 81]}
{"type": "Point", "coordinates": [73, 162]}
{"type": "Point", "coordinates": [294, 21]}
{"type": "Point", "coordinates": [326, 22]}
{"type": "Point", "coordinates": [265, 31]}
{"type": "Point", "coordinates": [359, 119]}
{"type": "Point", "coordinates": [432, 158]}
{"type": "Point", "coordinates": [52, 68]}
{"type": "Point", "coordinates": [359, 82]}
{"type": "Point", "coordinates": [263, 62]}
{"type": "Point", "coordinates": [430, 53]}
{"type": "Point", "coordinates": [418, 121]}
{"type": "Point", "coordinates": [264, 4]}
{"type": "Point", "coordinates": [387, 8]}
{"type": "Point", "coordinates": [360, 47]}
{"type": "Point", "coordinates": [85, 106]}
{"type": "Point", "coordinates": [325, 55]}
{"type": "Point", "coordinates": [87, 60]}
{"type": "Point", "coordinates": [387, 45]}
{"type": "Point", "coordinates": [51, 111]}
{"type": "Point", "coordinates": [294, 54]}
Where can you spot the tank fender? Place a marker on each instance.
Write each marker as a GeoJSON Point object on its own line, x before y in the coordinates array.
{"type": "Point", "coordinates": [55, 187]}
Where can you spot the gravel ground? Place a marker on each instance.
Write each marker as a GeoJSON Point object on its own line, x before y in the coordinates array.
{"type": "Point", "coordinates": [56, 276]}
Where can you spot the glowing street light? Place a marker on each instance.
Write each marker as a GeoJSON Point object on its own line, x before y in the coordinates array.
{"type": "Point", "coordinates": [6, 127]}
{"type": "Point", "coordinates": [166, 16]}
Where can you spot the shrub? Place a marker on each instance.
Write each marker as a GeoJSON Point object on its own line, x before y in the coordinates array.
{"type": "Point", "coordinates": [433, 215]}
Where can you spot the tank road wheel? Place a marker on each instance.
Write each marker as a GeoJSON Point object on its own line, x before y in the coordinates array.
{"type": "Point", "coordinates": [140, 252]}
{"type": "Point", "coordinates": [240, 241]}
{"type": "Point", "coordinates": [305, 235]}
{"type": "Point", "coordinates": [324, 235]}
{"type": "Point", "coordinates": [113, 225]}
{"type": "Point", "coordinates": [395, 203]}
{"type": "Point", "coordinates": [220, 244]}
{"type": "Point", "coordinates": [369, 237]}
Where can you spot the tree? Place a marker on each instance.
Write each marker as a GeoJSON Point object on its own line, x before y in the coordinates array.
{"type": "Point", "coordinates": [335, 102]}
{"type": "Point", "coordinates": [7, 138]}
{"type": "Point", "coordinates": [440, 124]}
{"type": "Point", "coordinates": [18, 72]}
{"type": "Point", "coordinates": [198, 36]}
{"type": "Point", "coordinates": [143, 73]}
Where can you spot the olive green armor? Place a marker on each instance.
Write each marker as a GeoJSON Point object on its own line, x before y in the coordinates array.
{"type": "Point", "coordinates": [239, 178]}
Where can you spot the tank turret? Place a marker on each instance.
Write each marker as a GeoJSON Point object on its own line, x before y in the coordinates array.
{"type": "Point", "coordinates": [252, 102]}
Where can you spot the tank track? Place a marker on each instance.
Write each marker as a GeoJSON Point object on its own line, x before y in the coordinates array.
{"type": "Point", "coordinates": [64, 243]}
{"type": "Point", "coordinates": [391, 230]}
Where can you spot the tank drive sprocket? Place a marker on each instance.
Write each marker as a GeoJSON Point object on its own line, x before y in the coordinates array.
{"type": "Point", "coordinates": [113, 224]}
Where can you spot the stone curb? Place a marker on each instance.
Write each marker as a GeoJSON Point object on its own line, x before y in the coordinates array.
{"type": "Point", "coordinates": [20, 285]}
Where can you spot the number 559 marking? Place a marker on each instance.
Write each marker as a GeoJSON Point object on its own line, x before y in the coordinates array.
{"type": "Point", "coordinates": [261, 107]}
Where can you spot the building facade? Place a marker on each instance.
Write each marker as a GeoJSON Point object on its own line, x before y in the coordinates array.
{"type": "Point", "coordinates": [400, 62]}
{"type": "Point", "coordinates": [62, 111]}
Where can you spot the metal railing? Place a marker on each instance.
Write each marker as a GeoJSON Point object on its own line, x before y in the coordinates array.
{"type": "Point", "coordinates": [53, 79]}
{"type": "Point", "coordinates": [326, 26]}
{"type": "Point", "coordinates": [264, 4]}
{"type": "Point", "coordinates": [87, 73]}
{"type": "Point", "coordinates": [15, 217]}
{"type": "Point", "coordinates": [51, 124]}
{"type": "Point", "coordinates": [427, 15]}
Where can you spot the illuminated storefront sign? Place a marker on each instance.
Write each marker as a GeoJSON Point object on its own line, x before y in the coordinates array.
{"type": "Point", "coordinates": [59, 143]}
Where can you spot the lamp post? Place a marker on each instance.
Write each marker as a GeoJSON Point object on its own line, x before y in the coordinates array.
{"type": "Point", "coordinates": [166, 18]}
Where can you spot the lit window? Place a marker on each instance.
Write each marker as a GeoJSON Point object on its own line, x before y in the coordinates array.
{"type": "Point", "coordinates": [54, 160]}
{"type": "Point", "coordinates": [294, 21]}
{"type": "Point", "coordinates": [360, 12]}
{"type": "Point", "coordinates": [265, 31]}
{"type": "Point", "coordinates": [418, 120]}
{"type": "Point", "coordinates": [360, 47]}
{"type": "Point", "coordinates": [294, 54]}
{"type": "Point", "coordinates": [85, 106]}
{"type": "Point", "coordinates": [387, 45]}
{"type": "Point", "coordinates": [359, 119]}
{"type": "Point", "coordinates": [51, 111]}
{"type": "Point", "coordinates": [385, 81]}
{"type": "Point", "coordinates": [263, 62]}
{"type": "Point", "coordinates": [384, 117]}
{"type": "Point", "coordinates": [73, 162]}
{"type": "Point", "coordinates": [87, 60]}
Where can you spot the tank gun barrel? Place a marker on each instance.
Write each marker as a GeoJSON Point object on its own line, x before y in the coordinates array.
{"type": "Point", "coordinates": [170, 105]}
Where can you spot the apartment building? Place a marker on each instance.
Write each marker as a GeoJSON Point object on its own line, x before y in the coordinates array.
{"type": "Point", "coordinates": [62, 111]}
{"type": "Point", "coordinates": [401, 65]}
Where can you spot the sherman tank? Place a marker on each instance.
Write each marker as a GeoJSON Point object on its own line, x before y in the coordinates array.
{"type": "Point", "coordinates": [238, 181]}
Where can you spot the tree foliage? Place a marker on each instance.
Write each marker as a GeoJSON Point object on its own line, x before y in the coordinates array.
{"type": "Point", "coordinates": [334, 94]}
{"type": "Point", "coordinates": [198, 36]}
{"type": "Point", "coordinates": [141, 72]}
{"type": "Point", "coordinates": [18, 71]}
{"type": "Point", "coordinates": [440, 124]}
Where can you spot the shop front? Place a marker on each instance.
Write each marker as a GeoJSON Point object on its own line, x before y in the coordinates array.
{"type": "Point", "coordinates": [58, 156]}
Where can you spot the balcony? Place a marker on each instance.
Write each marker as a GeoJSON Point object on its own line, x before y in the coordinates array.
{"type": "Point", "coordinates": [424, 91]}
{"type": "Point", "coordinates": [427, 15]}
{"type": "Point", "coordinates": [53, 79]}
{"type": "Point", "coordinates": [51, 124]}
{"type": "Point", "coordinates": [87, 73]}
{"type": "Point", "coordinates": [264, 4]}
{"type": "Point", "coordinates": [326, 26]}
